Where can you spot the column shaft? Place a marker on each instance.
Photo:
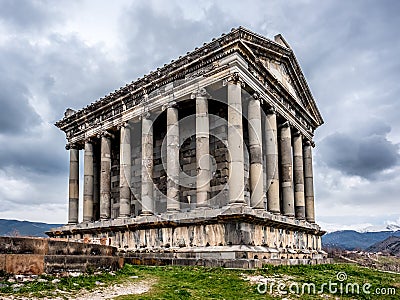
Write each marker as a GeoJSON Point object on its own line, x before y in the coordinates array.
{"type": "Point", "coordinates": [235, 143]}
{"type": "Point", "coordinates": [271, 137]}
{"type": "Point", "coordinates": [298, 176]}
{"type": "Point", "coordinates": [147, 167]}
{"type": "Point", "coordinates": [256, 161]}
{"type": "Point", "coordinates": [125, 172]}
{"type": "Point", "coordinates": [172, 159]}
{"type": "Point", "coordinates": [96, 184]}
{"type": "Point", "coordinates": [88, 183]}
{"type": "Point", "coordinates": [105, 178]}
{"type": "Point", "coordinates": [286, 175]}
{"type": "Point", "coordinates": [73, 186]}
{"type": "Point", "coordinates": [202, 151]}
{"type": "Point", "coordinates": [309, 185]}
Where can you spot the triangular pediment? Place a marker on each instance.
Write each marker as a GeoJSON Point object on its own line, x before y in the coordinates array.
{"type": "Point", "coordinates": [279, 61]}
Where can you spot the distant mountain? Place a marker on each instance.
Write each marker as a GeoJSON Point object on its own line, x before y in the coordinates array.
{"type": "Point", "coordinates": [24, 228]}
{"type": "Point", "coordinates": [377, 228]}
{"type": "Point", "coordinates": [390, 245]}
{"type": "Point", "coordinates": [351, 239]}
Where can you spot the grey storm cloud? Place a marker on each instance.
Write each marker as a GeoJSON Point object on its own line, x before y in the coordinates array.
{"type": "Point", "coordinates": [364, 151]}
{"type": "Point", "coordinates": [174, 36]}
{"type": "Point", "coordinates": [16, 114]}
{"type": "Point", "coordinates": [28, 15]}
{"type": "Point", "coordinates": [41, 153]}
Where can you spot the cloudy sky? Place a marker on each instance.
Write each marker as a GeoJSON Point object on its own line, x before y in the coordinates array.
{"type": "Point", "coordinates": [59, 54]}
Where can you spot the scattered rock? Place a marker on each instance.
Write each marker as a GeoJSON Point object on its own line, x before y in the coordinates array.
{"type": "Point", "coordinates": [75, 274]}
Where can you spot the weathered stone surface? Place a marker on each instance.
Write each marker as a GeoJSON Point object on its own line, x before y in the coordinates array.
{"type": "Point", "coordinates": [73, 186]}
{"type": "Point", "coordinates": [235, 151]}
{"type": "Point", "coordinates": [173, 203]}
{"type": "Point", "coordinates": [286, 171]}
{"type": "Point", "coordinates": [298, 176]}
{"type": "Point", "coordinates": [24, 263]}
{"type": "Point", "coordinates": [23, 255]}
{"type": "Point", "coordinates": [202, 150]}
{"type": "Point", "coordinates": [125, 171]}
{"type": "Point", "coordinates": [105, 177]}
{"type": "Point", "coordinates": [309, 183]}
{"type": "Point", "coordinates": [235, 142]}
{"type": "Point", "coordinates": [88, 183]}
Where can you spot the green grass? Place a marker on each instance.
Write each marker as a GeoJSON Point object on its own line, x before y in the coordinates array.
{"type": "Point", "coordinates": [173, 282]}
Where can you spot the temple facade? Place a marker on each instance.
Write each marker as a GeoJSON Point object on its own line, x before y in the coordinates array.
{"type": "Point", "coordinates": [207, 157]}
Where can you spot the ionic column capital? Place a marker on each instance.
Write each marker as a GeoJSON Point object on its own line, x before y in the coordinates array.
{"type": "Point", "coordinates": [126, 125]}
{"type": "Point", "coordinates": [271, 111]}
{"type": "Point", "coordinates": [90, 140]}
{"type": "Point", "coordinates": [234, 78]}
{"type": "Point", "coordinates": [308, 143]}
{"type": "Point", "coordinates": [256, 96]}
{"type": "Point", "coordinates": [297, 133]}
{"type": "Point", "coordinates": [75, 146]}
{"type": "Point", "coordinates": [170, 104]}
{"type": "Point", "coordinates": [200, 92]}
{"type": "Point", "coordinates": [285, 125]}
{"type": "Point", "coordinates": [106, 134]}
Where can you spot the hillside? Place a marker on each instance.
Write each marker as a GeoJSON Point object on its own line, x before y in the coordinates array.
{"type": "Point", "coordinates": [390, 245]}
{"type": "Point", "coordinates": [24, 228]}
{"type": "Point", "coordinates": [350, 239]}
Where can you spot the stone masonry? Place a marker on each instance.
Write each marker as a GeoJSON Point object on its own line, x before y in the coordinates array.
{"type": "Point", "coordinates": [207, 157]}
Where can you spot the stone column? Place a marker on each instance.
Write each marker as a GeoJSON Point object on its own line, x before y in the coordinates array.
{"type": "Point", "coordinates": [105, 176]}
{"type": "Point", "coordinates": [172, 158]}
{"type": "Point", "coordinates": [96, 184]}
{"type": "Point", "coordinates": [73, 207]}
{"type": "Point", "coordinates": [286, 167]}
{"type": "Point", "coordinates": [271, 142]}
{"type": "Point", "coordinates": [298, 176]}
{"type": "Point", "coordinates": [147, 165]}
{"type": "Point", "coordinates": [255, 145]}
{"type": "Point", "coordinates": [235, 140]}
{"type": "Point", "coordinates": [202, 148]}
{"type": "Point", "coordinates": [309, 185]}
{"type": "Point", "coordinates": [125, 171]}
{"type": "Point", "coordinates": [88, 182]}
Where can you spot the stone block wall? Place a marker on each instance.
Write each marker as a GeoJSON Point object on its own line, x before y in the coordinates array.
{"type": "Point", "coordinates": [24, 255]}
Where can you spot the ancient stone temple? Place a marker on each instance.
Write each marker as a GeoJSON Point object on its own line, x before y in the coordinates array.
{"type": "Point", "coordinates": [207, 157]}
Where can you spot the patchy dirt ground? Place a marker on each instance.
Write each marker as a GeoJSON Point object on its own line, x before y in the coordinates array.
{"type": "Point", "coordinates": [108, 292]}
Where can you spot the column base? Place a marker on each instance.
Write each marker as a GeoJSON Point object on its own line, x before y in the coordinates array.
{"type": "Point", "coordinates": [202, 207]}
{"type": "Point", "coordinates": [237, 203]}
{"type": "Point", "coordinates": [123, 217]}
{"type": "Point", "coordinates": [289, 216]}
{"type": "Point", "coordinates": [147, 213]}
